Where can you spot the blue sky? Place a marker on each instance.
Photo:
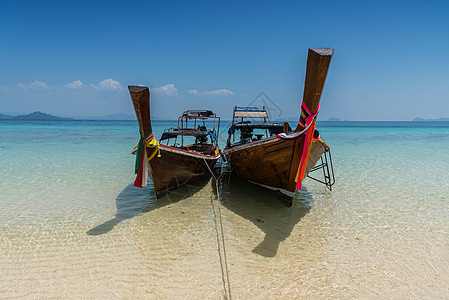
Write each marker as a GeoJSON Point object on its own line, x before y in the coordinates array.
{"type": "Point", "coordinates": [391, 58]}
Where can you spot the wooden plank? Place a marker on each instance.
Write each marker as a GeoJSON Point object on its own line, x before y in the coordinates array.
{"type": "Point", "coordinates": [141, 100]}
{"type": "Point", "coordinates": [318, 62]}
{"type": "Point", "coordinates": [172, 170]}
{"type": "Point", "coordinates": [266, 164]}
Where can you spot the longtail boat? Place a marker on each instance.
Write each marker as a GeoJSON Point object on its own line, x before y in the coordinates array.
{"type": "Point", "coordinates": [182, 154]}
{"type": "Point", "coordinates": [272, 154]}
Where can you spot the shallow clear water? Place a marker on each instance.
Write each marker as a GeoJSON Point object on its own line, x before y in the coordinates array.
{"type": "Point", "coordinates": [72, 224]}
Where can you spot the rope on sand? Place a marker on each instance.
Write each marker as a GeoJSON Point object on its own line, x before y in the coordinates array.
{"type": "Point", "coordinates": [224, 260]}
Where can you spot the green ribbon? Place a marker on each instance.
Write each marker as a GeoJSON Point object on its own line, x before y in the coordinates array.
{"type": "Point", "coordinates": [140, 151]}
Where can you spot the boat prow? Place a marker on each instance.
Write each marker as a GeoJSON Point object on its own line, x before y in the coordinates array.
{"type": "Point", "coordinates": [279, 158]}
{"type": "Point", "coordinates": [173, 165]}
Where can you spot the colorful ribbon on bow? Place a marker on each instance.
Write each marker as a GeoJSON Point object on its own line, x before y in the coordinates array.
{"type": "Point", "coordinates": [308, 120]}
{"type": "Point", "coordinates": [142, 159]}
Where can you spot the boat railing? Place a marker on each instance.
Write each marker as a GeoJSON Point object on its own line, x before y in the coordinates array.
{"type": "Point", "coordinates": [199, 115]}
{"type": "Point", "coordinates": [253, 123]}
{"type": "Point", "coordinates": [241, 114]}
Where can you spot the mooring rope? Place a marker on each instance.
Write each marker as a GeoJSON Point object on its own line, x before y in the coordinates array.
{"type": "Point", "coordinates": [226, 267]}
{"type": "Point", "coordinates": [219, 250]}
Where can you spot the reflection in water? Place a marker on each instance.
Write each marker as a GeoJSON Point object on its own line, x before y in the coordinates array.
{"type": "Point", "coordinates": [265, 210]}
{"type": "Point", "coordinates": [133, 201]}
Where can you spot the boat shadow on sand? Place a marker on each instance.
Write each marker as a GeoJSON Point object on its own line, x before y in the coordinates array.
{"type": "Point", "coordinates": [265, 210]}
{"type": "Point", "coordinates": [133, 201]}
{"type": "Point", "coordinates": [251, 202]}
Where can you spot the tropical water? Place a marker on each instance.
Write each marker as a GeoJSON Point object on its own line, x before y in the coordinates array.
{"type": "Point", "coordinates": [73, 226]}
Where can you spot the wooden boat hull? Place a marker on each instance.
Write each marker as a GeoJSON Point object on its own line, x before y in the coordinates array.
{"type": "Point", "coordinates": [275, 163]}
{"type": "Point", "coordinates": [176, 167]}
{"type": "Point", "coordinates": [272, 162]}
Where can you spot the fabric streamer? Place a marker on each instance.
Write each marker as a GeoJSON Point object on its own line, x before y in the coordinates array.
{"type": "Point", "coordinates": [308, 120]}
{"type": "Point", "coordinates": [292, 136]}
{"type": "Point", "coordinates": [213, 137]}
{"type": "Point", "coordinates": [142, 158]}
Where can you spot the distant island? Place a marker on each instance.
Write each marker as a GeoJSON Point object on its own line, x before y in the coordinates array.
{"type": "Point", "coordinates": [6, 117]}
{"type": "Point", "coordinates": [35, 116]}
{"type": "Point", "coordinates": [40, 116]}
{"type": "Point", "coordinates": [427, 120]}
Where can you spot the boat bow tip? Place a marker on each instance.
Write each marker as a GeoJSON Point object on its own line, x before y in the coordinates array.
{"type": "Point", "coordinates": [137, 88]}
{"type": "Point", "coordinates": [323, 51]}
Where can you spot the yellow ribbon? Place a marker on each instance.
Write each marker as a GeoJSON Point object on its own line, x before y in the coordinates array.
{"type": "Point", "coordinates": [154, 144]}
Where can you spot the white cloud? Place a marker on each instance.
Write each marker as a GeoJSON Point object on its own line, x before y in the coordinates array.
{"type": "Point", "coordinates": [109, 84]}
{"type": "Point", "coordinates": [74, 84]}
{"type": "Point", "coordinates": [220, 92]}
{"type": "Point", "coordinates": [166, 90]}
{"type": "Point", "coordinates": [22, 85]}
{"type": "Point", "coordinates": [39, 84]}
{"type": "Point", "coordinates": [33, 85]}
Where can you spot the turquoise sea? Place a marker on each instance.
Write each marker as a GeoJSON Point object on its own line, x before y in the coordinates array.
{"type": "Point", "coordinates": [73, 226]}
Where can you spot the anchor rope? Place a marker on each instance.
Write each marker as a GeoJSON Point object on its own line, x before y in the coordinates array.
{"type": "Point", "coordinates": [226, 267]}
